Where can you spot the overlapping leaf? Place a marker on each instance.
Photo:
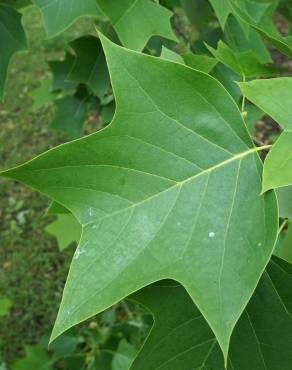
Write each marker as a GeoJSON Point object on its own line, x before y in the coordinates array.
{"type": "Point", "coordinates": [169, 190]}
{"type": "Point", "coordinates": [274, 97]}
{"type": "Point", "coordinates": [135, 21]}
{"type": "Point", "coordinates": [181, 338]}
{"type": "Point", "coordinates": [244, 63]}
{"type": "Point", "coordinates": [90, 65]}
{"type": "Point", "coordinates": [66, 229]}
{"type": "Point", "coordinates": [60, 14]}
{"type": "Point", "coordinates": [12, 40]}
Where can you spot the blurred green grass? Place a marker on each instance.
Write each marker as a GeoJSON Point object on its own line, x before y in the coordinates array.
{"type": "Point", "coordinates": [32, 270]}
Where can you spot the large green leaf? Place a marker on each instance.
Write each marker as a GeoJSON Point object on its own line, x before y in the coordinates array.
{"type": "Point", "coordinates": [12, 40]}
{"type": "Point", "coordinates": [135, 21]}
{"type": "Point", "coordinates": [90, 65]}
{"type": "Point", "coordinates": [274, 97]}
{"type": "Point", "coordinates": [169, 190]}
{"type": "Point", "coordinates": [60, 14]}
{"type": "Point", "coordinates": [181, 338]}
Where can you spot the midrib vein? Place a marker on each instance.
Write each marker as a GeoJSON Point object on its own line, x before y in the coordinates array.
{"type": "Point", "coordinates": [183, 182]}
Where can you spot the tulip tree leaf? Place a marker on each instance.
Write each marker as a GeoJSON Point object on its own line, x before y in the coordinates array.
{"type": "Point", "coordinates": [239, 41]}
{"type": "Point", "coordinates": [56, 209]}
{"type": "Point", "coordinates": [200, 62]}
{"type": "Point", "coordinates": [222, 9]}
{"type": "Point", "coordinates": [90, 65]}
{"type": "Point", "coordinates": [61, 70]}
{"type": "Point", "coordinates": [244, 63]}
{"type": "Point", "coordinates": [169, 190]}
{"type": "Point", "coordinates": [12, 40]}
{"type": "Point", "coordinates": [66, 229]}
{"type": "Point", "coordinates": [284, 196]}
{"type": "Point", "coordinates": [70, 116]}
{"type": "Point", "coordinates": [181, 338]}
{"type": "Point", "coordinates": [273, 96]}
{"type": "Point", "coordinates": [283, 247]}
{"type": "Point", "coordinates": [58, 15]}
{"type": "Point", "coordinates": [259, 15]}
{"type": "Point", "coordinates": [278, 164]}
{"type": "Point", "coordinates": [135, 21]}
{"type": "Point", "coordinates": [171, 55]}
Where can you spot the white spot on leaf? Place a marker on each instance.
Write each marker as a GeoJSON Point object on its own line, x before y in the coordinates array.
{"type": "Point", "coordinates": [211, 234]}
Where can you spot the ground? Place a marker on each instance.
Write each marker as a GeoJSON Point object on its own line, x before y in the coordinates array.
{"type": "Point", "coordinates": [32, 270]}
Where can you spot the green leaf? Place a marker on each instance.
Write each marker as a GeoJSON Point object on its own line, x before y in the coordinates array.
{"type": "Point", "coordinates": [61, 70]}
{"type": "Point", "coordinates": [278, 163]}
{"type": "Point", "coordinates": [239, 41]}
{"type": "Point", "coordinates": [70, 116]}
{"type": "Point", "coordinates": [56, 209]}
{"type": "Point", "coordinates": [252, 115]}
{"type": "Point", "coordinates": [283, 248]}
{"type": "Point", "coordinates": [58, 15]}
{"type": "Point", "coordinates": [12, 40]}
{"type": "Point", "coordinates": [169, 190]}
{"type": "Point", "coordinates": [181, 338]}
{"type": "Point", "coordinates": [43, 95]}
{"type": "Point", "coordinates": [284, 196]}
{"type": "Point", "coordinates": [17, 4]}
{"type": "Point", "coordinates": [171, 55]}
{"type": "Point", "coordinates": [228, 78]}
{"type": "Point", "coordinates": [222, 9]}
{"type": "Point", "coordinates": [124, 356]}
{"type": "Point", "coordinates": [259, 15]}
{"type": "Point", "coordinates": [273, 96]}
{"type": "Point", "coordinates": [66, 229]}
{"type": "Point", "coordinates": [36, 358]}
{"type": "Point", "coordinates": [200, 62]}
{"type": "Point", "coordinates": [135, 21]}
{"type": "Point", "coordinates": [5, 305]}
{"type": "Point", "coordinates": [90, 65]}
{"type": "Point", "coordinates": [244, 63]}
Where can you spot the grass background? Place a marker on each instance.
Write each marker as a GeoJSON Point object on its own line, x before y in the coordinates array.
{"type": "Point", "coordinates": [32, 270]}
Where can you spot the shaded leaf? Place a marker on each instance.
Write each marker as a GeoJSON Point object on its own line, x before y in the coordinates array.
{"type": "Point", "coordinates": [284, 196]}
{"type": "Point", "coordinates": [36, 358]}
{"type": "Point", "coordinates": [90, 65]}
{"type": "Point", "coordinates": [61, 70]}
{"type": "Point", "coordinates": [283, 248]}
{"type": "Point", "coordinates": [12, 40]}
{"type": "Point", "coordinates": [70, 116]}
{"type": "Point", "coordinates": [58, 15]}
{"type": "Point", "coordinates": [181, 338]}
{"type": "Point", "coordinates": [124, 356]}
